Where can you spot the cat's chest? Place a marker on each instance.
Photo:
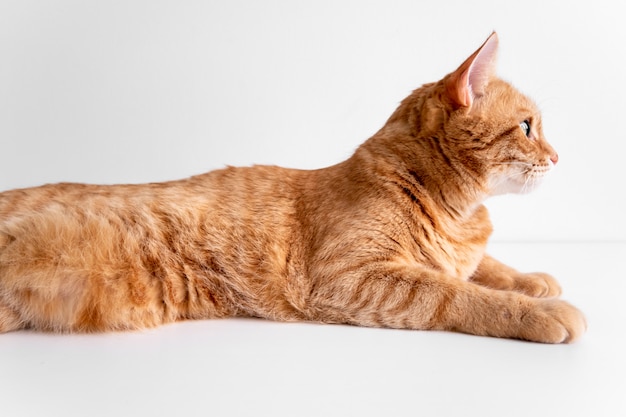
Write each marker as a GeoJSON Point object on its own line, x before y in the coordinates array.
{"type": "Point", "coordinates": [457, 259]}
{"type": "Point", "coordinates": [455, 248]}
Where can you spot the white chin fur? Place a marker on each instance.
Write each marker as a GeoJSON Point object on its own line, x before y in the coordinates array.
{"type": "Point", "coordinates": [519, 182]}
{"type": "Point", "coordinates": [500, 186]}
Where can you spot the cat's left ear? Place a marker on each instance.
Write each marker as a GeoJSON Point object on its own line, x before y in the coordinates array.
{"type": "Point", "coordinates": [471, 78]}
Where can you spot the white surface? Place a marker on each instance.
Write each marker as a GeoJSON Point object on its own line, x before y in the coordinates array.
{"type": "Point", "coordinates": [151, 90]}
{"type": "Point", "coordinates": [261, 368]}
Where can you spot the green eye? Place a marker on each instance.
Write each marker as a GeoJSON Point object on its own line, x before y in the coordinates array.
{"type": "Point", "coordinates": [525, 125]}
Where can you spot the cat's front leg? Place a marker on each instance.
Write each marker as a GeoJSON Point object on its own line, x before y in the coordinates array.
{"type": "Point", "coordinates": [496, 275]}
{"type": "Point", "coordinates": [408, 297]}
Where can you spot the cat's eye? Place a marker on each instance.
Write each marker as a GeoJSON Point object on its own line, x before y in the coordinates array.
{"type": "Point", "coordinates": [525, 125]}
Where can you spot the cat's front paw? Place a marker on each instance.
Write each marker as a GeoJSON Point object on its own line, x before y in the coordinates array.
{"type": "Point", "coordinates": [552, 321]}
{"type": "Point", "coordinates": [537, 284]}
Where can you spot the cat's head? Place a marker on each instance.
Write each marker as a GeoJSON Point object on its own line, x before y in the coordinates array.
{"type": "Point", "coordinates": [504, 124]}
{"type": "Point", "coordinates": [486, 127]}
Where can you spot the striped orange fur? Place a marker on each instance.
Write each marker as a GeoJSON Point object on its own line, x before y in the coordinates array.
{"type": "Point", "coordinates": [394, 236]}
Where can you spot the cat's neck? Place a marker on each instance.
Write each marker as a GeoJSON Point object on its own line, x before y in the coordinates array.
{"type": "Point", "coordinates": [421, 164]}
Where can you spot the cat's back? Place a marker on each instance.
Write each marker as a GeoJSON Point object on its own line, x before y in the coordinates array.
{"type": "Point", "coordinates": [223, 208]}
{"type": "Point", "coordinates": [246, 214]}
{"type": "Point", "coordinates": [222, 190]}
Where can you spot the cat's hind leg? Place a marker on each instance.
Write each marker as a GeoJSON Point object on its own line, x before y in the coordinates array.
{"type": "Point", "coordinates": [35, 291]}
{"type": "Point", "coordinates": [10, 320]}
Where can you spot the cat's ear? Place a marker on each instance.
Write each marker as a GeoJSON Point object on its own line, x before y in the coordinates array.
{"type": "Point", "coordinates": [471, 78]}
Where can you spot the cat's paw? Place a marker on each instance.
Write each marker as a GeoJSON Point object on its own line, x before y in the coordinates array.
{"type": "Point", "coordinates": [552, 321]}
{"type": "Point", "coordinates": [537, 284]}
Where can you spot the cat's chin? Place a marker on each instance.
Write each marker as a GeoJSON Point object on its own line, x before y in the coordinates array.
{"type": "Point", "coordinates": [499, 186]}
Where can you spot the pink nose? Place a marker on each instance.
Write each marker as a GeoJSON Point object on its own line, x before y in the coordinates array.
{"type": "Point", "coordinates": [555, 158]}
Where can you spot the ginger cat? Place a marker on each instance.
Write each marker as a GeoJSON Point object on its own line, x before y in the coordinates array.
{"type": "Point", "coordinates": [393, 237]}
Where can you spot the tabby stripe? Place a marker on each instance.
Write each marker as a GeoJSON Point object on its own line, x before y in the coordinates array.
{"type": "Point", "coordinates": [479, 145]}
{"type": "Point", "coordinates": [417, 202]}
{"type": "Point", "coordinates": [509, 131]}
{"type": "Point", "coordinates": [377, 291]}
{"type": "Point", "coordinates": [407, 301]}
{"type": "Point", "coordinates": [382, 301]}
{"type": "Point", "coordinates": [377, 295]}
{"type": "Point", "coordinates": [357, 294]}
{"type": "Point", "coordinates": [186, 282]}
{"type": "Point", "coordinates": [441, 310]}
{"type": "Point", "coordinates": [447, 159]}
{"type": "Point", "coordinates": [435, 141]}
{"type": "Point", "coordinates": [378, 319]}
{"type": "Point", "coordinates": [398, 245]}
{"type": "Point", "coordinates": [417, 178]}
{"type": "Point", "coordinates": [447, 206]}
{"type": "Point", "coordinates": [410, 194]}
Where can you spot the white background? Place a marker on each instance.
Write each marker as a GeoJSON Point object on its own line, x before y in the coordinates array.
{"type": "Point", "coordinates": [141, 91]}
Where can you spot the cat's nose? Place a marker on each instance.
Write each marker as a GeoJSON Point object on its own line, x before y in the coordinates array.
{"type": "Point", "coordinates": [555, 158]}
